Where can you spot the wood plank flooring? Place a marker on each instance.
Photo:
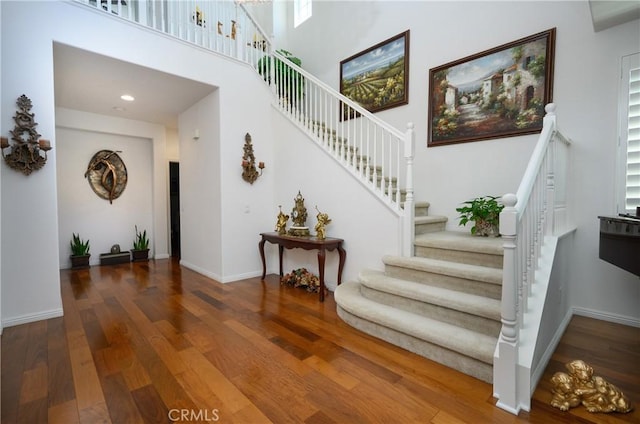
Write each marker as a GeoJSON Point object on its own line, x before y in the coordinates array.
{"type": "Point", "coordinates": [156, 343]}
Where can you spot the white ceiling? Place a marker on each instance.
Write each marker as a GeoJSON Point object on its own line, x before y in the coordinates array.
{"type": "Point", "coordinates": [94, 83]}
{"type": "Point", "coordinates": [609, 13]}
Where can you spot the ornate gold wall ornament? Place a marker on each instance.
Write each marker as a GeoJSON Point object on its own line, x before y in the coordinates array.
{"type": "Point", "coordinates": [579, 386]}
{"type": "Point", "coordinates": [107, 174]}
{"type": "Point", "coordinates": [25, 151]}
{"type": "Point", "coordinates": [249, 171]}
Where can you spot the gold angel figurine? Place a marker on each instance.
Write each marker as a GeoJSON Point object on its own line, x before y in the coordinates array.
{"type": "Point", "coordinates": [281, 225]}
{"type": "Point", "coordinates": [323, 219]}
{"type": "Point", "coordinates": [580, 386]}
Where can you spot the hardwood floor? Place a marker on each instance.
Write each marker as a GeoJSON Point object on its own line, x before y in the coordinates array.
{"type": "Point", "coordinates": [155, 343]}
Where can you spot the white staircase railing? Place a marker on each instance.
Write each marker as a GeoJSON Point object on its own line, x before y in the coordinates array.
{"type": "Point", "coordinates": [222, 26]}
{"type": "Point", "coordinates": [538, 209]}
{"type": "Point", "coordinates": [377, 154]}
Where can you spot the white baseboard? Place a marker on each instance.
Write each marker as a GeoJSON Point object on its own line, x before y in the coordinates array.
{"type": "Point", "coordinates": [161, 256]}
{"type": "Point", "coordinates": [25, 319]}
{"type": "Point", "coordinates": [200, 270]}
{"type": "Point", "coordinates": [546, 356]}
{"type": "Point", "coordinates": [607, 316]}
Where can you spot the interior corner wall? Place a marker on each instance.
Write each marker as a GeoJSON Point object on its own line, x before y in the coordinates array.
{"type": "Point", "coordinates": [92, 217]}
{"type": "Point", "coordinates": [200, 208]}
{"type": "Point", "coordinates": [30, 278]}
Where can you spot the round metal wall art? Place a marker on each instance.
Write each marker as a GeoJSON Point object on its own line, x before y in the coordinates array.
{"type": "Point", "coordinates": [107, 174]}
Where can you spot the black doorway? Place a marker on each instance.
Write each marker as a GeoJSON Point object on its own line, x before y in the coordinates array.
{"type": "Point", "coordinates": [174, 207]}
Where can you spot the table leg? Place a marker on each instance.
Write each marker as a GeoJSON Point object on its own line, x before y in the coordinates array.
{"type": "Point", "coordinates": [343, 257]}
{"type": "Point", "coordinates": [264, 264]}
{"type": "Point", "coordinates": [280, 252]}
{"type": "Point", "coordinates": [321, 258]}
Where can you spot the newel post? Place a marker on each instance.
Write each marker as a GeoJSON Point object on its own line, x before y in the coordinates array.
{"type": "Point", "coordinates": [505, 367]}
{"type": "Point", "coordinates": [409, 206]}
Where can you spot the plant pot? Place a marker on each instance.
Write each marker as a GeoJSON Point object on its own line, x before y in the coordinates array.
{"type": "Point", "coordinates": [486, 229]}
{"type": "Point", "coordinates": [139, 255]}
{"type": "Point", "coordinates": [79, 262]}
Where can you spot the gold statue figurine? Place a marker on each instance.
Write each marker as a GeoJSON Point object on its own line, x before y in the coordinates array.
{"type": "Point", "coordinates": [281, 225]}
{"type": "Point", "coordinates": [323, 219]}
{"type": "Point", "coordinates": [579, 386]}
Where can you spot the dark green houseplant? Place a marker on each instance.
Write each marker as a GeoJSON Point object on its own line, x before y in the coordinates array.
{"type": "Point", "coordinates": [485, 214]}
{"type": "Point", "coordinates": [286, 79]}
{"type": "Point", "coordinates": [79, 252]}
{"type": "Point", "coordinates": [140, 251]}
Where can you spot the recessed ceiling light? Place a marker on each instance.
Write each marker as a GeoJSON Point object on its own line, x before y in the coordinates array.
{"type": "Point", "coordinates": [127, 97]}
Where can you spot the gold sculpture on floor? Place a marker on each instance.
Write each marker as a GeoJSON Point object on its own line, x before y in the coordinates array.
{"type": "Point", "coordinates": [579, 386]}
{"type": "Point", "coordinates": [281, 225]}
{"type": "Point", "coordinates": [323, 220]}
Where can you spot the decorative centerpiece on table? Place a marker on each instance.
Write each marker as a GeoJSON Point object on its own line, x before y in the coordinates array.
{"type": "Point", "coordinates": [299, 218]}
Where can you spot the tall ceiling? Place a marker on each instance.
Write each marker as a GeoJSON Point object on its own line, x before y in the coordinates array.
{"type": "Point", "coordinates": [94, 83]}
{"type": "Point", "coordinates": [91, 82]}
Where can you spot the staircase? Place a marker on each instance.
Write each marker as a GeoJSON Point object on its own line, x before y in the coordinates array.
{"type": "Point", "coordinates": [446, 296]}
{"type": "Point", "coordinates": [443, 303]}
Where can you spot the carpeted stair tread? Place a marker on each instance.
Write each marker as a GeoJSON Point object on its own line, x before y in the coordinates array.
{"type": "Point", "coordinates": [464, 302]}
{"type": "Point", "coordinates": [458, 339]}
{"type": "Point", "coordinates": [429, 219]}
{"type": "Point", "coordinates": [463, 241]}
{"type": "Point", "coordinates": [438, 266]}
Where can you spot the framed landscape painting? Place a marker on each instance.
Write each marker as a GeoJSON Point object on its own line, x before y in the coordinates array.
{"type": "Point", "coordinates": [378, 77]}
{"type": "Point", "coordinates": [499, 92]}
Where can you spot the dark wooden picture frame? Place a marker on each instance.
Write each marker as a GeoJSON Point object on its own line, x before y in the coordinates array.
{"type": "Point", "coordinates": [378, 78]}
{"type": "Point", "coordinates": [497, 93]}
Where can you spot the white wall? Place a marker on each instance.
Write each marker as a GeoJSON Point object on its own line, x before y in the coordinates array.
{"type": "Point", "coordinates": [368, 227]}
{"type": "Point", "coordinates": [585, 90]}
{"type": "Point", "coordinates": [200, 217]}
{"type": "Point", "coordinates": [81, 211]}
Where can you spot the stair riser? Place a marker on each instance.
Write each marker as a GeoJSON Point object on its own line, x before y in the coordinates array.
{"type": "Point", "coordinates": [471, 258]}
{"type": "Point", "coordinates": [480, 288]}
{"type": "Point", "coordinates": [449, 358]}
{"type": "Point", "coordinates": [421, 210]}
{"type": "Point", "coordinates": [430, 227]}
{"type": "Point", "coordinates": [462, 319]}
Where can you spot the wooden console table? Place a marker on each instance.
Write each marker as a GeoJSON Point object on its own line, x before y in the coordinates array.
{"type": "Point", "coordinates": [306, 243]}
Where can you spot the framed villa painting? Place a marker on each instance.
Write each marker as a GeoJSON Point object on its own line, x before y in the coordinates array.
{"type": "Point", "coordinates": [499, 92]}
{"type": "Point", "coordinates": [378, 78]}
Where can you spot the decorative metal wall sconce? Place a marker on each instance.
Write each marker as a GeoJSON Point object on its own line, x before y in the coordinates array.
{"type": "Point", "coordinates": [25, 155]}
{"type": "Point", "coordinates": [249, 171]}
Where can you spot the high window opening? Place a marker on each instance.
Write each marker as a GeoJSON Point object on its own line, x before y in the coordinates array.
{"type": "Point", "coordinates": [301, 11]}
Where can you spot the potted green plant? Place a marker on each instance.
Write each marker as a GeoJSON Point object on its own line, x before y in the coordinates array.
{"type": "Point", "coordinates": [79, 252]}
{"type": "Point", "coordinates": [484, 212]}
{"type": "Point", "coordinates": [285, 77]}
{"type": "Point", "coordinates": [140, 251]}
